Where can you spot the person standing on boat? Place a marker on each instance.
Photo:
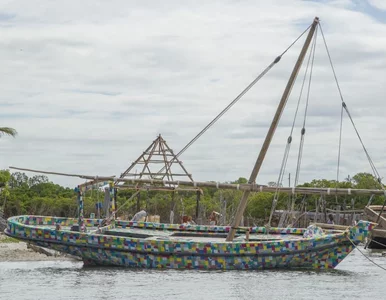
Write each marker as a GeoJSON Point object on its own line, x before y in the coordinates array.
{"type": "Point", "coordinates": [330, 219]}
{"type": "Point", "coordinates": [139, 215]}
{"type": "Point", "coordinates": [213, 218]}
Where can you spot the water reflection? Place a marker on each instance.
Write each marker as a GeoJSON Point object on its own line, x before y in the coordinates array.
{"type": "Point", "coordinates": [355, 278]}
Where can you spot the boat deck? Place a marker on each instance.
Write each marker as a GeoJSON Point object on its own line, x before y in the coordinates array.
{"type": "Point", "coordinates": [168, 235]}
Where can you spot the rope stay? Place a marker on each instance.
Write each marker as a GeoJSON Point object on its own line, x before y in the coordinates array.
{"type": "Point", "coordinates": [339, 152]}
{"type": "Point", "coordinates": [127, 201]}
{"type": "Point", "coordinates": [303, 130]}
{"type": "Point", "coordinates": [344, 106]}
{"type": "Point", "coordinates": [289, 139]}
{"type": "Point", "coordinates": [234, 101]}
{"type": "Point", "coordinates": [368, 258]}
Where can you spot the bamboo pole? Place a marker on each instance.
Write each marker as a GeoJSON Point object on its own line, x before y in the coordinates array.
{"type": "Point", "coordinates": [158, 174]}
{"type": "Point", "coordinates": [211, 184]}
{"type": "Point", "coordinates": [156, 188]}
{"type": "Point", "coordinates": [349, 211]}
{"type": "Point", "coordinates": [244, 199]}
{"type": "Point", "coordinates": [331, 226]}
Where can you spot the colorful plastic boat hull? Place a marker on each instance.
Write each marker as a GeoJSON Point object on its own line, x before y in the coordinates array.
{"type": "Point", "coordinates": [290, 249]}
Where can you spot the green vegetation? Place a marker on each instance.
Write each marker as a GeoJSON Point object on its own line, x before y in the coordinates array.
{"type": "Point", "coordinates": [8, 131]}
{"type": "Point", "coordinates": [36, 195]}
{"type": "Point", "coordinates": [8, 240]}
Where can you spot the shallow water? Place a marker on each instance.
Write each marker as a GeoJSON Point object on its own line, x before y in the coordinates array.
{"type": "Point", "coordinates": [354, 278]}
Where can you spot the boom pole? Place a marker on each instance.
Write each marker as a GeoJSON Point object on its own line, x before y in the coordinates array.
{"type": "Point", "coordinates": [211, 184]}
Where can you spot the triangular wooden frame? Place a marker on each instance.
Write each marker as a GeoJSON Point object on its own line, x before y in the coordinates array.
{"type": "Point", "coordinates": [158, 156]}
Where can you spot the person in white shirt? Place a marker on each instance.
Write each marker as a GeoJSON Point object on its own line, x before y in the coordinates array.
{"type": "Point", "coordinates": [139, 215]}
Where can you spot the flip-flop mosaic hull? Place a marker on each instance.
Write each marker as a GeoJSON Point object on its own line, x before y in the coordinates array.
{"type": "Point", "coordinates": [319, 252]}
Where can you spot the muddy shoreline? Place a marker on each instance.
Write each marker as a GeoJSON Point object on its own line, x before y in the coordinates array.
{"type": "Point", "coordinates": [19, 251]}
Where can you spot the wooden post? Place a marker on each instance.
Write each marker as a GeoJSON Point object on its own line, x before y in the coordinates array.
{"type": "Point", "coordinates": [305, 219]}
{"type": "Point", "coordinates": [337, 215]}
{"type": "Point", "coordinates": [80, 209]}
{"type": "Point", "coordinates": [138, 202]}
{"type": "Point", "coordinates": [198, 193]}
{"type": "Point", "coordinates": [223, 211]}
{"type": "Point", "coordinates": [115, 190]}
{"type": "Point", "coordinates": [106, 203]}
{"type": "Point", "coordinates": [112, 200]}
{"type": "Point", "coordinates": [324, 208]}
{"type": "Point", "coordinates": [172, 206]}
{"type": "Point", "coordinates": [147, 205]}
{"type": "Point", "coordinates": [271, 131]}
{"type": "Point", "coordinates": [98, 209]}
{"type": "Point", "coordinates": [353, 207]}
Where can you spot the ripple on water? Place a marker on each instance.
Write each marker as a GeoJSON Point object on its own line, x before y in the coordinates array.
{"type": "Point", "coordinates": [355, 278]}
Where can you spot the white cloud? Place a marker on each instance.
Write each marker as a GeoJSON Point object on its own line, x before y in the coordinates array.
{"type": "Point", "coordinates": [380, 4]}
{"type": "Point", "coordinates": [89, 85]}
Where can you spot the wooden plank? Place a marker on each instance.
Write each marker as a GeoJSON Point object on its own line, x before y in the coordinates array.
{"type": "Point", "coordinates": [331, 226]}
{"type": "Point", "coordinates": [157, 174]}
{"type": "Point", "coordinates": [377, 232]}
{"type": "Point", "coordinates": [350, 211]}
{"type": "Point", "coordinates": [373, 217]}
{"type": "Point", "coordinates": [376, 207]}
{"type": "Point", "coordinates": [155, 188]}
{"type": "Point", "coordinates": [153, 161]}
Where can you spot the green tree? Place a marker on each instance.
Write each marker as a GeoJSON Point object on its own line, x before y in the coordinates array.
{"type": "Point", "coordinates": [4, 177]}
{"type": "Point", "coordinates": [18, 179]}
{"type": "Point", "coordinates": [37, 179]}
{"type": "Point", "coordinates": [4, 190]}
{"type": "Point", "coordinates": [8, 131]}
{"type": "Point", "coordinates": [365, 181]}
{"type": "Point", "coordinates": [241, 180]}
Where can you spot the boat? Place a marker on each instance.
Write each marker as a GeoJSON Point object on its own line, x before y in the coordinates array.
{"type": "Point", "coordinates": [175, 246]}
{"type": "Point", "coordinates": [186, 246]}
{"type": "Point", "coordinates": [376, 214]}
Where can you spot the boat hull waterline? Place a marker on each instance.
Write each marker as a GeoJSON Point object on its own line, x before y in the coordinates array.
{"type": "Point", "coordinates": [316, 251]}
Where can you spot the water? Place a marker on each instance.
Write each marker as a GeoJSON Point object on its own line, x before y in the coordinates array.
{"type": "Point", "coordinates": [355, 278]}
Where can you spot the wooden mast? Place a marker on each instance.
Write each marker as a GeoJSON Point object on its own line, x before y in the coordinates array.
{"type": "Point", "coordinates": [271, 131]}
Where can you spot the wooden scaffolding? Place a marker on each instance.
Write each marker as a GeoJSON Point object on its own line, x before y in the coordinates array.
{"type": "Point", "coordinates": [159, 164]}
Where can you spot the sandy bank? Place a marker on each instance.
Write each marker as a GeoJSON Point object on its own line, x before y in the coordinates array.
{"type": "Point", "coordinates": [20, 252]}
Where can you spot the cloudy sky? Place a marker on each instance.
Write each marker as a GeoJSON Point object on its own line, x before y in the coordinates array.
{"type": "Point", "coordinates": [90, 84]}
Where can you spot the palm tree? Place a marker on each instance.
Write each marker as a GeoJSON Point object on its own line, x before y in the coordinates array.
{"type": "Point", "coordinates": [7, 131]}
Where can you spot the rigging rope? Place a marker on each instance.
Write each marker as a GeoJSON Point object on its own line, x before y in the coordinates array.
{"type": "Point", "coordinates": [368, 258]}
{"type": "Point", "coordinates": [344, 105]}
{"type": "Point", "coordinates": [339, 151]}
{"type": "Point", "coordinates": [127, 201]}
{"type": "Point", "coordinates": [289, 139]}
{"type": "Point", "coordinates": [303, 131]}
{"type": "Point", "coordinates": [211, 123]}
